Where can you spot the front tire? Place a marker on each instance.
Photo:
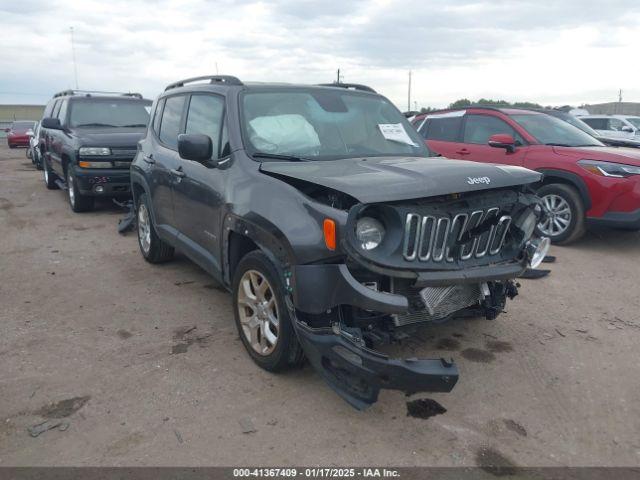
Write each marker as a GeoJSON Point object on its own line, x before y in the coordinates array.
{"type": "Point", "coordinates": [565, 221]}
{"type": "Point", "coordinates": [152, 247]}
{"type": "Point", "coordinates": [48, 176]}
{"type": "Point", "coordinates": [262, 317]}
{"type": "Point", "coordinates": [78, 202]}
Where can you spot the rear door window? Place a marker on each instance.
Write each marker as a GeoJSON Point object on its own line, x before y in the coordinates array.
{"type": "Point", "coordinates": [171, 120]}
{"type": "Point", "coordinates": [445, 129]}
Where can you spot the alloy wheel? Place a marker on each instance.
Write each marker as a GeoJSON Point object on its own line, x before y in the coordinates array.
{"type": "Point", "coordinates": [71, 189]}
{"type": "Point", "coordinates": [144, 228]}
{"type": "Point", "coordinates": [258, 312]}
{"type": "Point", "coordinates": [558, 217]}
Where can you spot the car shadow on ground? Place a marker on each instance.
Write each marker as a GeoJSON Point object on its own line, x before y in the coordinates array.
{"type": "Point", "coordinates": [609, 240]}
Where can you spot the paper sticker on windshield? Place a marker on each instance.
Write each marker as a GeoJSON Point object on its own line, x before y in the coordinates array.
{"type": "Point", "coordinates": [395, 132]}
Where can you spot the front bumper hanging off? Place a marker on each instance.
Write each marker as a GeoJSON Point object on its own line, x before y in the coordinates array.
{"type": "Point", "coordinates": [357, 374]}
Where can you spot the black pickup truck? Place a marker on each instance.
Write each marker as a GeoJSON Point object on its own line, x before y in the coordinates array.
{"type": "Point", "coordinates": [87, 142]}
{"type": "Point", "coordinates": [321, 210]}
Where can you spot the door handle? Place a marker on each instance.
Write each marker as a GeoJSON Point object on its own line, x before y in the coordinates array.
{"type": "Point", "coordinates": [148, 158]}
{"type": "Point", "coordinates": [178, 172]}
{"type": "Point", "coordinates": [463, 151]}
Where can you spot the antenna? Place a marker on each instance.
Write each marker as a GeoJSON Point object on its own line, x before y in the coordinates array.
{"type": "Point", "coordinates": [409, 93]}
{"type": "Point", "coordinates": [73, 54]}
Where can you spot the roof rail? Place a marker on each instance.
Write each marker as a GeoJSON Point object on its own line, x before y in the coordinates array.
{"type": "Point", "coordinates": [349, 86]}
{"type": "Point", "coordinates": [213, 79]}
{"type": "Point", "coordinates": [89, 93]}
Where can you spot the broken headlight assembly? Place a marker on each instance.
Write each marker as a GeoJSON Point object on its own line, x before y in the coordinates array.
{"type": "Point", "coordinates": [609, 169]}
{"type": "Point", "coordinates": [369, 233]}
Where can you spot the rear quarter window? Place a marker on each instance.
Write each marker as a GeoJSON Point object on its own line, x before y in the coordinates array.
{"type": "Point", "coordinates": [445, 129]}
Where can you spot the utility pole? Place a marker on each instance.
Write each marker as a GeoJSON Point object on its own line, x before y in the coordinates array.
{"type": "Point", "coordinates": [338, 77]}
{"type": "Point", "coordinates": [409, 93]}
{"type": "Point", "coordinates": [73, 54]}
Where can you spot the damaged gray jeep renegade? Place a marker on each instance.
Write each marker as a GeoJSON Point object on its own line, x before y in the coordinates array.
{"type": "Point", "coordinates": [322, 212]}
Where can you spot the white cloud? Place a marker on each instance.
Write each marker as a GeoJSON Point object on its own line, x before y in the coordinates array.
{"type": "Point", "coordinates": [549, 52]}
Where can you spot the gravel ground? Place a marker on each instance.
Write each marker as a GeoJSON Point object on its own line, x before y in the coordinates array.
{"type": "Point", "coordinates": [143, 364]}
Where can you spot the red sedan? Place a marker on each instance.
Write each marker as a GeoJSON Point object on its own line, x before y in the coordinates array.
{"type": "Point", "coordinates": [18, 133]}
{"type": "Point", "coordinates": [585, 182]}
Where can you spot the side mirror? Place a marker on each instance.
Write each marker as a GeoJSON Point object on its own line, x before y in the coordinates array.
{"type": "Point", "coordinates": [6, 130]}
{"type": "Point", "coordinates": [52, 123]}
{"type": "Point", "coordinates": [196, 147]}
{"type": "Point", "coordinates": [503, 140]}
{"type": "Point", "coordinates": [627, 129]}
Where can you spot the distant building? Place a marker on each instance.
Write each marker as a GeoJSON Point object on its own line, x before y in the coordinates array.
{"type": "Point", "coordinates": [614, 108]}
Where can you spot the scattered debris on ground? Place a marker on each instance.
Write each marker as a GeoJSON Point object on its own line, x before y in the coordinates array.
{"type": "Point", "coordinates": [495, 463]}
{"type": "Point", "coordinates": [515, 427]}
{"type": "Point", "coordinates": [40, 428]}
{"type": "Point", "coordinates": [247, 425]}
{"type": "Point", "coordinates": [63, 408]}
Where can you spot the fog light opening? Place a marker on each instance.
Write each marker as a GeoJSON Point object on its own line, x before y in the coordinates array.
{"type": "Point", "coordinates": [99, 189]}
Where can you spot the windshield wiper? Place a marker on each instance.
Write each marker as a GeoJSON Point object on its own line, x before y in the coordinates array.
{"type": "Point", "coordinates": [553, 144]}
{"type": "Point", "coordinates": [134, 125]}
{"type": "Point", "coordinates": [277, 156]}
{"type": "Point", "coordinates": [95, 125]}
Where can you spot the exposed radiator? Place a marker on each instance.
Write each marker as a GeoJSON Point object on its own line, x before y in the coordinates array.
{"type": "Point", "coordinates": [438, 303]}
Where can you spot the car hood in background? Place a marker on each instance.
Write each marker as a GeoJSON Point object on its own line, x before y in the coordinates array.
{"type": "Point", "coordinates": [108, 137]}
{"type": "Point", "coordinates": [386, 179]}
{"type": "Point", "coordinates": [629, 156]}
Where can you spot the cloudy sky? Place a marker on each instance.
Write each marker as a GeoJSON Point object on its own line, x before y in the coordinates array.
{"type": "Point", "coordinates": [551, 52]}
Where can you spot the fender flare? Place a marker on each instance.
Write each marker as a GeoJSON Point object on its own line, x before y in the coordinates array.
{"type": "Point", "coordinates": [571, 178]}
{"type": "Point", "coordinates": [273, 243]}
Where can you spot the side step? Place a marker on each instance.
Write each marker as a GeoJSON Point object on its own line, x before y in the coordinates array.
{"type": "Point", "coordinates": [62, 185]}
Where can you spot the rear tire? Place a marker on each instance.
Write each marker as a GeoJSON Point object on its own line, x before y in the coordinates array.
{"type": "Point", "coordinates": [48, 176]}
{"type": "Point", "coordinates": [261, 314]}
{"type": "Point", "coordinates": [79, 203]}
{"type": "Point", "coordinates": [152, 247]}
{"type": "Point", "coordinates": [566, 221]}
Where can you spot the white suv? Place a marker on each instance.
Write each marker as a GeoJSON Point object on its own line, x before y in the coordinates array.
{"type": "Point", "coordinates": [614, 126]}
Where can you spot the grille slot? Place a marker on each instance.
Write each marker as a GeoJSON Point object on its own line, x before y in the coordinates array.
{"type": "Point", "coordinates": [430, 238]}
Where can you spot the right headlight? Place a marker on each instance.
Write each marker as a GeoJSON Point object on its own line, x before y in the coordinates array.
{"type": "Point", "coordinates": [369, 232]}
{"type": "Point", "coordinates": [94, 151]}
{"type": "Point", "coordinates": [609, 169]}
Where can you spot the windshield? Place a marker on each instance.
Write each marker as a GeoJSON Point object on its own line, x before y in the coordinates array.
{"type": "Point", "coordinates": [635, 121]}
{"type": "Point", "coordinates": [553, 131]}
{"type": "Point", "coordinates": [576, 122]}
{"type": "Point", "coordinates": [325, 124]}
{"type": "Point", "coordinates": [112, 113]}
{"type": "Point", "coordinates": [22, 126]}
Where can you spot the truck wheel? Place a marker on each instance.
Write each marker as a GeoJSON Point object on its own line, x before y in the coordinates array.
{"type": "Point", "coordinates": [48, 176]}
{"type": "Point", "coordinates": [79, 203]}
{"type": "Point", "coordinates": [565, 222]}
{"type": "Point", "coordinates": [262, 317]}
{"type": "Point", "coordinates": [152, 247]}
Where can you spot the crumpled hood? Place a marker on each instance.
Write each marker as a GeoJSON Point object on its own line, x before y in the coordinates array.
{"type": "Point", "coordinates": [108, 137]}
{"type": "Point", "coordinates": [401, 178]}
{"type": "Point", "coordinates": [629, 156]}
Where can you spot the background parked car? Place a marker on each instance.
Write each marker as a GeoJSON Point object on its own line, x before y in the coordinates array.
{"type": "Point", "coordinates": [584, 179]}
{"type": "Point", "coordinates": [33, 151]}
{"type": "Point", "coordinates": [615, 126]}
{"type": "Point", "coordinates": [578, 123]}
{"type": "Point", "coordinates": [89, 140]}
{"type": "Point", "coordinates": [17, 133]}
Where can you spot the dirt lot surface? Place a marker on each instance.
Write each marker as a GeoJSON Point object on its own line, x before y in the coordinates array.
{"type": "Point", "coordinates": [144, 366]}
